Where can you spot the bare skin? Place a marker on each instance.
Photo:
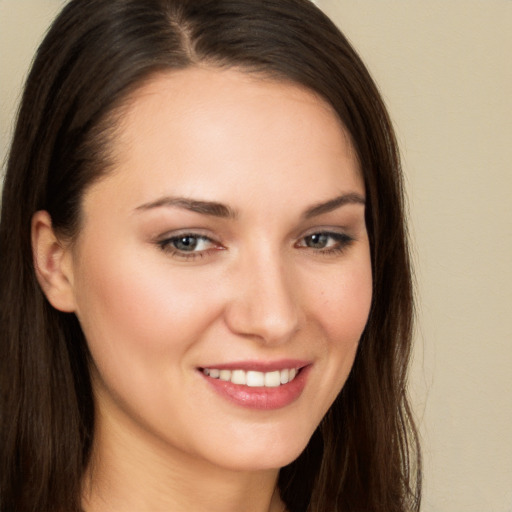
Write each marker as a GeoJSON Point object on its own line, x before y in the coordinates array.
{"type": "Point", "coordinates": [168, 481]}
{"type": "Point", "coordinates": [230, 233]}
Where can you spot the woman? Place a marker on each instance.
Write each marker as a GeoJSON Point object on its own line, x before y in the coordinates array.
{"type": "Point", "coordinates": [206, 297]}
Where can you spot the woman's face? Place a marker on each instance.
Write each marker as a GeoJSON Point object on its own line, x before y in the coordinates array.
{"type": "Point", "coordinates": [227, 246]}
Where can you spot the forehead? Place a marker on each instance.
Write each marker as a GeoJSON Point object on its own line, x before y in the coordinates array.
{"type": "Point", "coordinates": [209, 132]}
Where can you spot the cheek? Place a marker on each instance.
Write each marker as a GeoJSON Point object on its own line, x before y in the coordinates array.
{"type": "Point", "coordinates": [133, 310]}
{"type": "Point", "coordinates": [344, 303]}
{"type": "Point", "coordinates": [342, 310]}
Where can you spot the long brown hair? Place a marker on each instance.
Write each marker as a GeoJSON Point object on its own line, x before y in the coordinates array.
{"type": "Point", "coordinates": [364, 456]}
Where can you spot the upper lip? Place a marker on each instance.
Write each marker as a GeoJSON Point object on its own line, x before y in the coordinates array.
{"type": "Point", "coordinates": [260, 366]}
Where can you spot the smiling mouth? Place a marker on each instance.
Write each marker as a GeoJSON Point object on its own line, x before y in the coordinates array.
{"type": "Point", "coordinates": [253, 378]}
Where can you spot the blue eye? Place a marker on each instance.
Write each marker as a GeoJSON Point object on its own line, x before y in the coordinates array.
{"type": "Point", "coordinates": [318, 240]}
{"type": "Point", "coordinates": [187, 245]}
{"type": "Point", "coordinates": [326, 242]}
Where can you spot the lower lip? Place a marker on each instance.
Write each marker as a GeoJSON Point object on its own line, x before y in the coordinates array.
{"type": "Point", "coordinates": [262, 398]}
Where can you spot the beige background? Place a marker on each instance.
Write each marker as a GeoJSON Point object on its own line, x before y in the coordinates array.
{"type": "Point", "coordinates": [444, 68]}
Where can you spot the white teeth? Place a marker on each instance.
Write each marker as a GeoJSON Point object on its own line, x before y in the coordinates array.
{"type": "Point", "coordinates": [238, 377]}
{"type": "Point", "coordinates": [253, 378]}
{"type": "Point", "coordinates": [225, 375]}
{"type": "Point", "coordinates": [272, 379]}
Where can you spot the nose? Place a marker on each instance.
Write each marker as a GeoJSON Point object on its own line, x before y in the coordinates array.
{"type": "Point", "coordinates": [264, 300]}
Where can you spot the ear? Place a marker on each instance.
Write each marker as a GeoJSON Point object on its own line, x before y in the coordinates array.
{"type": "Point", "coordinates": [52, 263]}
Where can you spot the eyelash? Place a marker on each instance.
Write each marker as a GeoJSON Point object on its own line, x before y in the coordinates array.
{"type": "Point", "coordinates": [341, 242]}
{"type": "Point", "coordinates": [167, 246]}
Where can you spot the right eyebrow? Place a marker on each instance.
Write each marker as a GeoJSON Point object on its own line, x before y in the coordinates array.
{"type": "Point", "coordinates": [203, 207]}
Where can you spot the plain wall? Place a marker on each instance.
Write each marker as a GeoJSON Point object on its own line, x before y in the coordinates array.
{"type": "Point", "coordinates": [444, 69]}
{"type": "Point", "coordinates": [22, 26]}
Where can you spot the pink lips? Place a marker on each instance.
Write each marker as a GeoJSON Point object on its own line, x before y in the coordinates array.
{"type": "Point", "coordinates": [263, 398]}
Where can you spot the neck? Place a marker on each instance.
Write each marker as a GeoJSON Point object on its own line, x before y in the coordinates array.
{"type": "Point", "coordinates": [132, 471]}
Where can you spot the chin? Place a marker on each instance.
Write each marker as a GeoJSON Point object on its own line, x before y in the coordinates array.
{"type": "Point", "coordinates": [264, 453]}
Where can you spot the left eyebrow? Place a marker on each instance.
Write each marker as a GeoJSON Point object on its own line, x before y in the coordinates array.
{"type": "Point", "coordinates": [333, 204]}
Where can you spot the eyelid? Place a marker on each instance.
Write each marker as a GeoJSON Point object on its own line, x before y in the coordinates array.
{"type": "Point", "coordinates": [326, 230]}
{"type": "Point", "coordinates": [193, 232]}
{"type": "Point", "coordinates": [331, 234]}
{"type": "Point", "coordinates": [165, 243]}
{"type": "Point", "coordinates": [342, 240]}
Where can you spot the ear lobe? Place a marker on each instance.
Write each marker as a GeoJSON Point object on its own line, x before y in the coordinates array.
{"type": "Point", "coordinates": [52, 264]}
